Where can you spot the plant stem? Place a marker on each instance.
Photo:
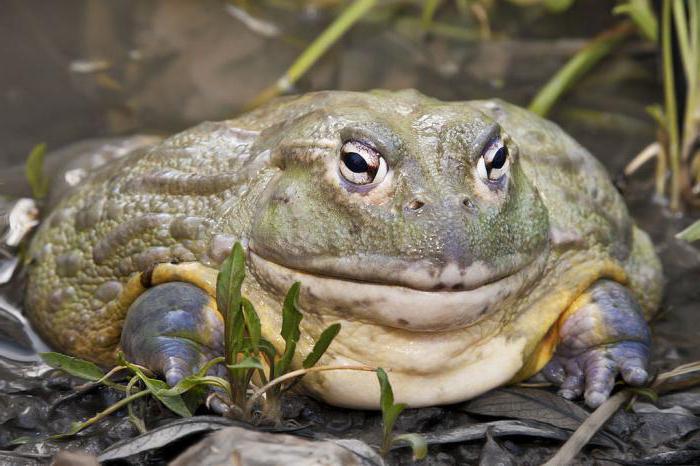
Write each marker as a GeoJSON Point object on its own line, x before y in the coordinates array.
{"type": "Point", "coordinates": [314, 51]}
{"type": "Point", "coordinates": [588, 429]}
{"type": "Point", "coordinates": [578, 66]}
{"type": "Point", "coordinates": [135, 420]}
{"type": "Point", "coordinates": [299, 372]}
{"type": "Point", "coordinates": [103, 414]}
{"type": "Point", "coordinates": [670, 105]}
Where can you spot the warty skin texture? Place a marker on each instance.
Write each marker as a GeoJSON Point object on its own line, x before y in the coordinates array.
{"type": "Point", "coordinates": [450, 282]}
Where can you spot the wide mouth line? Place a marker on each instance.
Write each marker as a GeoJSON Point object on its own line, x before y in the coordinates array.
{"type": "Point", "coordinates": [331, 276]}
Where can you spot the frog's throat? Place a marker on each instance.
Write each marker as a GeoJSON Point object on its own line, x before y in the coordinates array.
{"type": "Point", "coordinates": [396, 306]}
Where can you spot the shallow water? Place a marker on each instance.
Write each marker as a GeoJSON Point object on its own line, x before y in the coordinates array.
{"type": "Point", "coordinates": [161, 66]}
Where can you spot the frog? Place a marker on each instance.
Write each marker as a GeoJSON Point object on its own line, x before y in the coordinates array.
{"type": "Point", "coordinates": [462, 246]}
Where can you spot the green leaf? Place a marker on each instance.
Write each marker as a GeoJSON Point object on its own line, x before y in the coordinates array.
{"type": "Point", "coordinates": [247, 363]}
{"type": "Point", "coordinates": [690, 234]}
{"type": "Point", "coordinates": [417, 442]}
{"type": "Point", "coordinates": [270, 353]}
{"type": "Point", "coordinates": [21, 440]}
{"type": "Point", "coordinates": [649, 393]}
{"type": "Point", "coordinates": [291, 317]}
{"type": "Point", "coordinates": [642, 14]}
{"type": "Point", "coordinates": [75, 427]}
{"type": "Point", "coordinates": [657, 113]}
{"type": "Point", "coordinates": [252, 322]}
{"type": "Point", "coordinates": [236, 343]}
{"type": "Point", "coordinates": [160, 390]}
{"type": "Point", "coordinates": [386, 397]}
{"type": "Point", "coordinates": [577, 66]}
{"type": "Point", "coordinates": [267, 349]}
{"type": "Point", "coordinates": [230, 279]}
{"type": "Point", "coordinates": [390, 415]}
{"type": "Point", "coordinates": [390, 411]}
{"type": "Point", "coordinates": [228, 299]}
{"type": "Point", "coordinates": [174, 403]}
{"type": "Point", "coordinates": [74, 366]}
{"type": "Point", "coordinates": [211, 363]}
{"type": "Point", "coordinates": [34, 171]}
{"type": "Point", "coordinates": [430, 7]}
{"type": "Point", "coordinates": [188, 383]}
{"type": "Point", "coordinates": [321, 345]}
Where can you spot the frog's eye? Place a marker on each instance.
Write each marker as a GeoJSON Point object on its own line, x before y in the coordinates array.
{"type": "Point", "coordinates": [494, 162]}
{"type": "Point", "coordinates": [361, 164]}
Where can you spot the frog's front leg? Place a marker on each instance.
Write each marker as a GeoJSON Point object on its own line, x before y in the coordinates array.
{"type": "Point", "coordinates": [602, 335]}
{"type": "Point", "coordinates": [173, 329]}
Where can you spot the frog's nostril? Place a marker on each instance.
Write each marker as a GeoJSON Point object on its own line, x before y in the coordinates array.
{"type": "Point", "coordinates": [415, 204]}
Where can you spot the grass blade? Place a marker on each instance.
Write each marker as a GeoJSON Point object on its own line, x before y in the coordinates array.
{"type": "Point", "coordinates": [247, 363]}
{"type": "Point", "coordinates": [641, 13]}
{"type": "Point", "coordinates": [252, 322]}
{"type": "Point", "coordinates": [386, 398]}
{"type": "Point", "coordinates": [588, 428]}
{"type": "Point", "coordinates": [578, 66]}
{"type": "Point", "coordinates": [321, 345]}
{"type": "Point", "coordinates": [690, 234]}
{"type": "Point", "coordinates": [34, 171]}
{"type": "Point", "coordinates": [317, 48]}
{"type": "Point", "coordinates": [417, 443]}
{"type": "Point", "coordinates": [228, 295]}
{"type": "Point", "coordinates": [78, 426]}
{"type": "Point", "coordinates": [160, 390]}
{"type": "Point", "coordinates": [73, 366]}
{"type": "Point", "coordinates": [193, 381]}
{"type": "Point", "coordinates": [291, 317]}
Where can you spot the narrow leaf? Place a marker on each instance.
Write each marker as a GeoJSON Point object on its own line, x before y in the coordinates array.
{"type": "Point", "coordinates": [690, 234]}
{"type": "Point", "coordinates": [267, 349]}
{"type": "Point", "coordinates": [417, 443]}
{"type": "Point", "coordinates": [34, 171]}
{"type": "Point", "coordinates": [159, 389]}
{"type": "Point", "coordinates": [20, 440]}
{"type": "Point", "coordinates": [230, 279]}
{"type": "Point", "coordinates": [321, 345]}
{"type": "Point", "coordinates": [228, 298]}
{"type": "Point", "coordinates": [74, 366]}
{"type": "Point", "coordinates": [390, 415]}
{"type": "Point", "coordinates": [386, 397]}
{"type": "Point", "coordinates": [641, 12]}
{"type": "Point", "coordinates": [252, 322]}
{"type": "Point", "coordinates": [649, 393]}
{"type": "Point", "coordinates": [205, 368]}
{"type": "Point", "coordinates": [174, 403]}
{"type": "Point", "coordinates": [247, 363]}
{"type": "Point", "coordinates": [188, 383]}
{"type": "Point", "coordinates": [291, 317]}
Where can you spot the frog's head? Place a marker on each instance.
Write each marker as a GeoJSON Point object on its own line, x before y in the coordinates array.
{"type": "Point", "coordinates": [400, 210]}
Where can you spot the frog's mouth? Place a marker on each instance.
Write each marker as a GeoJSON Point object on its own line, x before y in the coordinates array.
{"type": "Point", "coordinates": [397, 305]}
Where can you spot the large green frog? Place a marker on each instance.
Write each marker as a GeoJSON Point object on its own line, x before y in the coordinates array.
{"type": "Point", "coordinates": [461, 245]}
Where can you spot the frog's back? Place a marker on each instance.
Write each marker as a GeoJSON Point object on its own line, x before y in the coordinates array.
{"type": "Point", "coordinates": [185, 199]}
{"type": "Point", "coordinates": [163, 203]}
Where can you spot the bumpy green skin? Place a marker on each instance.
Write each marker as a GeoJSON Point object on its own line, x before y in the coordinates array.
{"type": "Point", "coordinates": [270, 178]}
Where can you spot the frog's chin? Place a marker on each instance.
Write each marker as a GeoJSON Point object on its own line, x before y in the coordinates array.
{"type": "Point", "coordinates": [394, 306]}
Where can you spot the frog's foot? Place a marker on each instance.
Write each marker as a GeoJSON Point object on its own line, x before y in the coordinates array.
{"type": "Point", "coordinates": [173, 329]}
{"type": "Point", "coordinates": [603, 336]}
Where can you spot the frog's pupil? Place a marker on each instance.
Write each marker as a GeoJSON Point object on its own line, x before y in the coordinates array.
{"type": "Point", "coordinates": [499, 159]}
{"type": "Point", "coordinates": [355, 162]}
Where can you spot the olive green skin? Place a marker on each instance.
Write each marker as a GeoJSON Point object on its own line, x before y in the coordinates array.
{"type": "Point", "coordinates": [270, 179]}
